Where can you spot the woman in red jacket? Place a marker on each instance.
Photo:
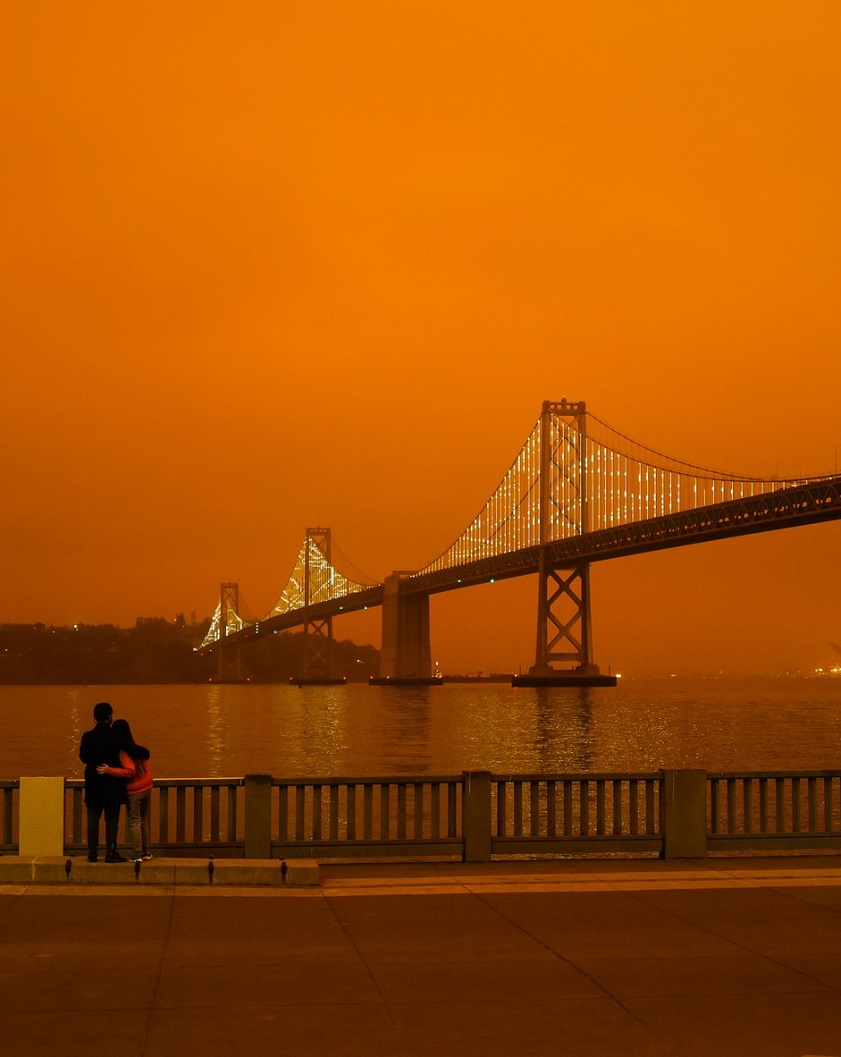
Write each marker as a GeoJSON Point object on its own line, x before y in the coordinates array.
{"type": "Point", "coordinates": [135, 768]}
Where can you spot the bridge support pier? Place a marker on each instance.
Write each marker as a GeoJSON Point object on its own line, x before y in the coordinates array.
{"type": "Point", "coordinates": [229, 667]}
{"type": "Point", "coordinates": [564, 631]}
{"type": "Point", "coordinates": [318, 650]}
{"type": "Point", "coordinates": [405, 656]}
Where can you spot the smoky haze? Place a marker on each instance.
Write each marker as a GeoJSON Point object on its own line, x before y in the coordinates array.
{"type": "Point", "coordinates": [287, 265]}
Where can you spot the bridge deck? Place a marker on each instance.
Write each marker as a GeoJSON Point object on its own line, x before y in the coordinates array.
{"type": "Point", "coordinates": [784, 508]}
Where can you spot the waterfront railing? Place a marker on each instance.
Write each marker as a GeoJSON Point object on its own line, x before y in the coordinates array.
{"type": "Point", "coordinates": [765, 810]}
{"type": "Point", "coordinates": [572, 814]}
{"type": "Point", "coordinates": [378, 816]}
{"type": "Point", "coordinates": [474, 816]}
{"type": "Point", "coordinates": [188, 816]}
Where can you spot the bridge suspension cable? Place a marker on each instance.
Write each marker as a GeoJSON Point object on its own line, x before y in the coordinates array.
{"type": "Point", "coordinates": [313, 579]}
{"type": "Point", "coordinates": [226, 616]}
{"type": "Point", "coordinates": [575, 476]}
{"type": "Point", "coordinates": [594, 478]}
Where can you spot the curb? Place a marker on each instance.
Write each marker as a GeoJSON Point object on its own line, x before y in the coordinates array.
{"type": "Point", "coordinates": [60, 869]}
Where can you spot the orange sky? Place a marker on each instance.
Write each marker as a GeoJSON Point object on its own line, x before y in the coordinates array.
{"type": "Point", "coordinates": [270, 265]}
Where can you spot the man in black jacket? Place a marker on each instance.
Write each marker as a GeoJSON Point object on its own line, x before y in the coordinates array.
{"type": "Point", "coordinates": [103, 792]}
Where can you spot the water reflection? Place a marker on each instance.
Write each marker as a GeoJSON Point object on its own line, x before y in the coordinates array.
{"type": "Point", "coordinates": [408, 736]}
{"type": "Point", "coordinates": [216, 733]}
{"type": "Point", "coordinates": [357, 730]}
{"type": "Point", "coordinates": [79, 722]}
{"type": "Point", "coordinates": [313, 726]}
{"type": "Point", "coordinates": [564, 732]}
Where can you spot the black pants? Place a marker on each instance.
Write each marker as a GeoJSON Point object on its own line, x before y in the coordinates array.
{"type": "Point", "coordinates": [112, 819]}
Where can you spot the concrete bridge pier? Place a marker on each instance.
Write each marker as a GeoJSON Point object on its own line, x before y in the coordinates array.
{"type": "Point", "coordinates": [228, 664]}
{"type": "Point", "coordinates": [405, 656]}
{"type": "Point", "coordinates": [564, 631]}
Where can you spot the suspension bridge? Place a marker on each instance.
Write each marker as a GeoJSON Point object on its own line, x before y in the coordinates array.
{"type": "Point", "coordinates": [578, 492]}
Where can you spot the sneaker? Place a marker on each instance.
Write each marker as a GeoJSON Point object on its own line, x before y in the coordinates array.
{"type": "Point", "coordinates": [92, 856]}
{"type": "Point", "coordinates": [114, 856]}
{"type": "Point", "coordinates": [146, 856]}
{"type": "Point", "coordinates": [136, 858]}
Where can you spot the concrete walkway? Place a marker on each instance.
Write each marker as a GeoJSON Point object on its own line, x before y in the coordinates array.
{"type": "Point", "coordinates": [720, 958]}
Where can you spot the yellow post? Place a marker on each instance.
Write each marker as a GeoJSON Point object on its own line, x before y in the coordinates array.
{"type": "Point", "coordinates": [41, 816]}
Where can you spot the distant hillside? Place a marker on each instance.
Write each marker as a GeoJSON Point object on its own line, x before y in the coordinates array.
{"type": "Point", "coordinates": [154, 651]}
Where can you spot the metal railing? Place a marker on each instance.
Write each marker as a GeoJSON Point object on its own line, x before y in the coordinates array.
{"type": "Point", "coordinates": [378, 816]}
{"type": "Point", "coordinates": [472, 816]}
{"type": "Point", "coordinates": [566, 814]}
{"type": "Point", "coordinates": [187, 816]}
{"type": "Point", "coordinates": [764, 811]}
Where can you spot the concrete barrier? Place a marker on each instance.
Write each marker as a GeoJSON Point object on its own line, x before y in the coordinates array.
{"type": "Point", "coordinates": [157, 872]}
{"type": "Point", "coordinates": [61, 869]}
{"type": "Point", "coordinates": [301, 872]}
{"type": "Point", "coordinates": [50, 869]}
{"type": "Point", "coordinates": [191, 871]}
{"type": "Point", "coordinates": [247, 872]}
{"type": "Point", "coordinates": [105, 873]}
{"type": "Point", "coordinates": [16, 869]}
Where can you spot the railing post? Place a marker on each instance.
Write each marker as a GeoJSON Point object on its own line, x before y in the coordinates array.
{"type": "Point", "coordinates": [476, 815]}
{"type": "Point", "coordinates": [258, 816]}
{"type": "Point", "coordinates": [683, 814]}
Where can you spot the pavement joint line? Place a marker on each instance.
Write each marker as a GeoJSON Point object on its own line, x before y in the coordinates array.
{"type": "Point", "coordinates": [572, 963]}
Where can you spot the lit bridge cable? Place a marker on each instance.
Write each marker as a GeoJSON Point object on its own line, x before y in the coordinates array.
{"type": "Point", "coordinates": [594, 478]}
{"type": "Point", "coordinates": [578, 491]}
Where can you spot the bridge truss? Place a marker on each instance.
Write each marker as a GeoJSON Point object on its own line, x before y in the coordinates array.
{"type": "Point", "coordinates": [577, 492]}
{"type": "Point", "coordinates": [576, 480]}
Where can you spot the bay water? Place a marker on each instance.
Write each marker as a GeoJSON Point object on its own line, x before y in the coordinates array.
{"type": "Point", "coordinates": [355, 730]}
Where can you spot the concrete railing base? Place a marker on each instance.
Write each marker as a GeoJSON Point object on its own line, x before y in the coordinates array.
{"type": "Point", "coordinates": [60, 869]}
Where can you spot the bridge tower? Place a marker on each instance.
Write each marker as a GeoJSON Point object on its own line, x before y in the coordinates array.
{"type": "Point", "coordinates": [318, 631]}
{"type": "Point", "coordinates": [228, 668]}
{"type": "Point", "coordinates": [564, 623]}
{"type": "Point", "coordinates": [406, 655]}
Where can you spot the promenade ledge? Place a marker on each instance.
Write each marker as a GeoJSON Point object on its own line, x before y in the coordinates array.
{"type": "Point", "coordinates": [475, 816]}
{"type": "Point", "coordinates": [61, 870]}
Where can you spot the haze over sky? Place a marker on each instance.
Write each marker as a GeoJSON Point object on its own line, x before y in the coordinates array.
{"type": "Point", "coordinates": [271, 265]}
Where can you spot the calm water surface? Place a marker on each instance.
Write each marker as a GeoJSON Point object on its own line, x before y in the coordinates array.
{"type": "Point", "coordinates": [357, 730]}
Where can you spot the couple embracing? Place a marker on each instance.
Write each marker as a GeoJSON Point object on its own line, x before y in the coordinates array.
{"type": "Point", "coordinates": [117, 772]}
